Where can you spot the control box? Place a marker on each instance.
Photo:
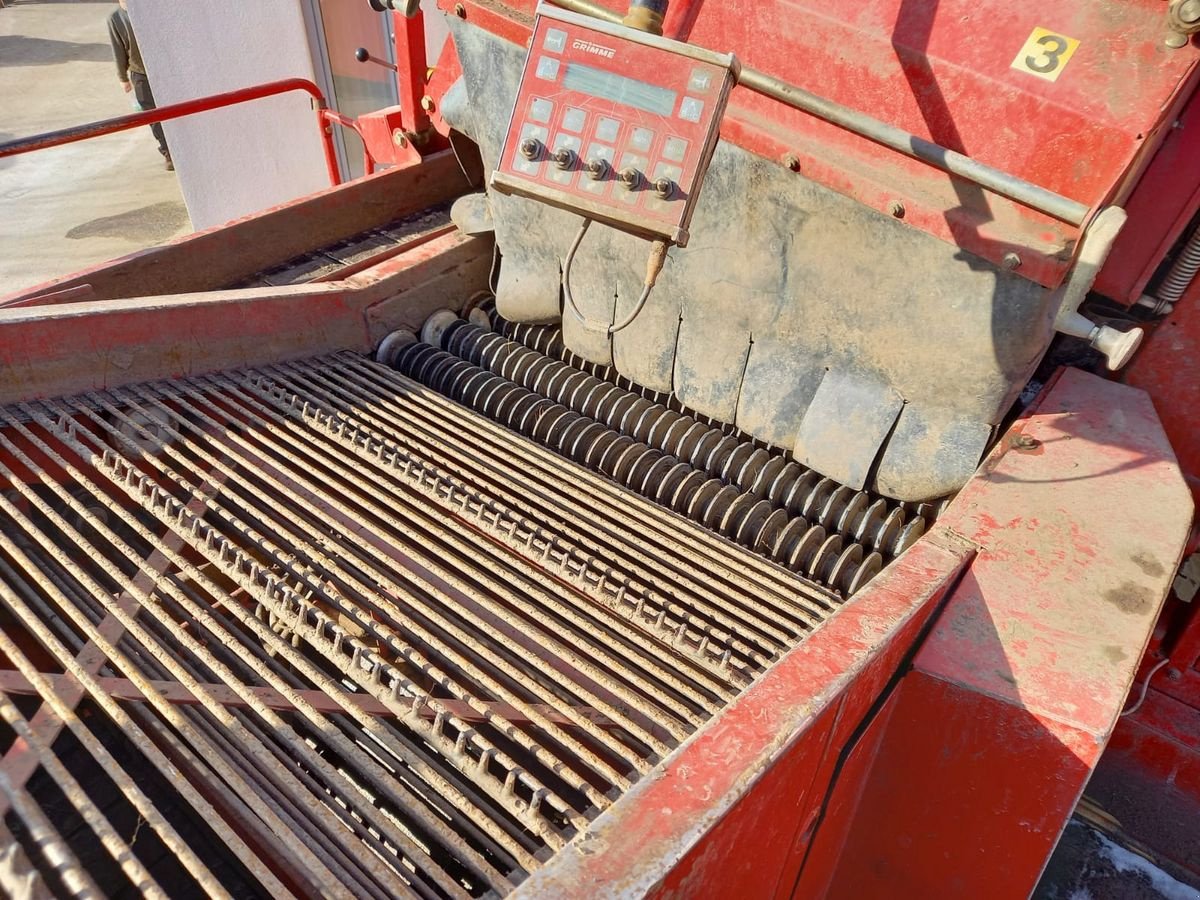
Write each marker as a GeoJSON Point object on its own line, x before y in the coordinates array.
{"type": "Point", "coordinates": [614, 124]}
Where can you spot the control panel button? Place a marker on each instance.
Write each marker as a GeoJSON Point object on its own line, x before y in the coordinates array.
{"type": "Point", "coordinates": [642, 138]}
{"type": "Point", "coordinates": [540, 110]}
{"type": "Point", "coordinates": [675, 149]}
{"type": "Point", "coordinates": [599, 158]}
{"type": "Point", "coordinates": [665, 190]}
{"type": "Point", "coordinates": [607, 130]}
{"type": "Point", "coordinates": [700, 82]}
{"type": "Point", "coordinates": [573, 120]}
{"type": "Point", "coordinates": [637, 163]}
{"type": "Point", "coordinates": [531, 148]}
{"type": "Point", "coordinates": [556, 39]}
{"type": "Point", "coordinates": [532, 140]}
{"type": "Point", "coordinates": [566, 148]}
{"type": "Point", "coordinates": [598, 169]}
{"type": "Point", "coordinates": [547, 68]}
{"type": "Point", "coordinates": [691, 109]}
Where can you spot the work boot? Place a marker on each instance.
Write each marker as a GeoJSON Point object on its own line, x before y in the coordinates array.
{"type": "Point", "coordinates": [170, 164]}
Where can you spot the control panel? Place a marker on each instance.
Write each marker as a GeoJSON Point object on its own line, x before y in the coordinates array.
{"type": "Point", "coordinates": [614, 124]}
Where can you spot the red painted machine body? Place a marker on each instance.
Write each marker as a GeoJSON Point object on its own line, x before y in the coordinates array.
{"type": "Point", "coordinates": [956, 73]}
{"type": "Point", "coordinates": [934, 736]}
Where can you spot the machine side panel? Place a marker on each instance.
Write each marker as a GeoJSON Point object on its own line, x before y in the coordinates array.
{"type": "Point", "coordinates": [1149, 779]}
{"type": "Point", "coordinates": [1168, 367]}
{"type": "Point", "coordinates": [1076, 120]}
{"type": "Point", "coordinates": [1081, 516]}
{"type": "Point", "coordinates": [1162, 204]}
{"type": "Point", "coordinates": [930, 826]}
{"type": "Point", "coordinates": [75, 347]}
{"type": "Point", "coordinates": [700, 816]}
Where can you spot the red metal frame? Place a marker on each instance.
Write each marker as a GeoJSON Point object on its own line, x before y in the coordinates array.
{"type": "Point", "coordinates": [943, 71]}
{"type": "Point", "coordinates": [1165, 200]}
{"type": "Point", "coordinates": [187, 108]}
{"type": "Point", "coordinates": [412, 70]}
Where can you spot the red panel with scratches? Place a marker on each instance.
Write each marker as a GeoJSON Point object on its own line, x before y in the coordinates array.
{"type": "Point", "coordinates": [958, 72]}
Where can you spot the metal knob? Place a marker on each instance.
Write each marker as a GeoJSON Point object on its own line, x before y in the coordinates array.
{"type": "Point", "coordinates": [565, 158]}
{"type": "Point", "coordinates": [631, 178]}
{"type": "Point", "coordinates": [665, 188]}
{"type": "Point", "coordinates": [531, 148]}
{"type": "Point", "coordinates": [598, 169]}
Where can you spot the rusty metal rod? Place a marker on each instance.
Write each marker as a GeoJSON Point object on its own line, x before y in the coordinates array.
{"type": "Point", "coordinates": [628, 577]}
{"type": "Point", "coordinates": [502, 522]}
{"type": "Point", "coordinates": [277, 772]}
{"type": "Point", "coordinates": [667, 535]}
{"type": "Point", "coordinates": [313, 861]}
{"type": "Point", "coordinates": [303, 503]}
{"type": "Point", "coordinates": [112, 842]}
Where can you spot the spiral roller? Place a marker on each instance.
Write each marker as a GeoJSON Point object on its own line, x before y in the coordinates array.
{"type": "Point", "coordinates": [547, 339]}
{"type": "Point", "coordinates": [750, 519]}
{"type": "Point", "coordinates": [746, 467]}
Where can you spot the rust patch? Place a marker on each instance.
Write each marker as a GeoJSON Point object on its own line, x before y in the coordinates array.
{"type": "Point", "coordinates": [1148, 564]}
{"type": "Point", "coordinates": [1129, 597]}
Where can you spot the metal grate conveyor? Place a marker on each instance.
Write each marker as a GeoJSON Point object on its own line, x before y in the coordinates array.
{"type": "Point", "coordinates": [313, 628]}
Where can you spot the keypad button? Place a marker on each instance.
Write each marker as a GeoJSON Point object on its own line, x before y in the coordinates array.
{"type": "Point", "coordinates": [547, 68]}
{"type": "Point", "coordinates": [607, 130]}
{"type": "Point", "coordinates": [642, 138]}
{"type": "Point", "coordinates": [556, 39]}
{"type": "Point", "coordinates": [691, 109]}
{"type": "Point", "coordinates": [675, 149]}
{"type": "Point", "coordinates": [574, 119]}
{"type": "Point", "coordinates": [563, 142]}
{"type": "Point", "coordinates": [669, 205]}
{"type": "Point", "coordinates": [631, 161]}
{"type": "Point", "coordinates": [540, 110]}
{"type": "Point", "coordinates": [701, 81]}
{"type": "Point", "coordinates": [520, 163]}
{"type": "Point", "coordinates": [592, 186]}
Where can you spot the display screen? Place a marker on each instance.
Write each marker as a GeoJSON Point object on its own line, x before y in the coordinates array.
{"type": "Point", "coordinates": [609, 86]}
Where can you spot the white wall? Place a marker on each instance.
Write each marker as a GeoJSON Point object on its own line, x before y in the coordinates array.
{"type": "Point", "coordinates": [235, 161]}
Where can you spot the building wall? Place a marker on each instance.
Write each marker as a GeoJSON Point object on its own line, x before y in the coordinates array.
{"type": "Point", "coordinates": [235, 161]}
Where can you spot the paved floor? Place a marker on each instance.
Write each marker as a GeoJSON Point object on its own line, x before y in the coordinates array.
{"type": "Point", "coordinates": [70, 207]}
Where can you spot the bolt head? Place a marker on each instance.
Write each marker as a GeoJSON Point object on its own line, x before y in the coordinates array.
{"type": "Point", "coordinates": [460, 10]}
{"type": "Point", "coordinates": [897, 209]}
{"type": "Point", "coordinates": [530, 148]}
{"type": "Point", "coordinates": [1025, 442]}
{"type": "Point", "coordinates": [792, 162]}
{"type": "Point", "coordinates": [427, 103]}
{"type": "Point", "coordinates": [1189, 11]}
{"type": "Point", "coordinates": [1011, 261]}
{"type": "Point", "coordinates": [1174, 674]}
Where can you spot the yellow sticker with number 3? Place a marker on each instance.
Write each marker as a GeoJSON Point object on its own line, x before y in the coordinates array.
{"type": "Point", "coordinates": [1045, 54]}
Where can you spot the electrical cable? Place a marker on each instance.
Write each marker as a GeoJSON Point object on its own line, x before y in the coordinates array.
{"type": "Point", "coordinates": [658, 256]}
{"type": "Point", "coordinates": [1145, 687]}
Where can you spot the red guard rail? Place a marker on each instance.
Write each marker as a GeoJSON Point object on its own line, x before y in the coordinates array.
{"type": "Point", "coordinates": [75, 133]}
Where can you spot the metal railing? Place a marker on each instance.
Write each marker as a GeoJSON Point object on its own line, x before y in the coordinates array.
{"type": "Point", "coordinates": [325, 119]}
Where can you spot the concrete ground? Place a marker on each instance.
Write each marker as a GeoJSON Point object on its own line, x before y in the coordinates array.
{"type": "Point", "coordinates": [70, 207]}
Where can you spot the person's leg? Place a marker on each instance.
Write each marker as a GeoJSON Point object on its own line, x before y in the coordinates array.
{"type": "Point", "coordinates": [145, 99]}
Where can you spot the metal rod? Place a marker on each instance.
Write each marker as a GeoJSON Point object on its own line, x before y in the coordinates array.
{"type": "Point", "coordinates": [950, 161]}
{"type": "Point", "coordinates": [178, 110]}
